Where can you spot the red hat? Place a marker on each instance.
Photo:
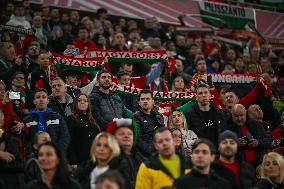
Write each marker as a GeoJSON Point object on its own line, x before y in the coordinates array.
{"type": "Point", "coordinates": [122, 122]}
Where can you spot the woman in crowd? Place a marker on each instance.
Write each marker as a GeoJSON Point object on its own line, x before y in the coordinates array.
{"type": "Point", "coordinates": [54, 168]}
{"type": "Point", "coordinates": [110, 180]}
{"type": "Point", "coordinates": [82, 128]}
{"type": "Point", "coordinates": [178, 120]}
{"type": "Point", "coordinates": [178, 84]}
{"type": "Point", "coordinates": [32, 170]}
{"type": "Point", "coordinates": [104, 153]}
{"type": "Point", "coordinates": [271, 172]}
{"type": "Point", "coordinates": [177, 139]}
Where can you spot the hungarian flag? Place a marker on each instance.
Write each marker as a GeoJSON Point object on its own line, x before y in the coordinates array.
{"type": "Point", "coordinates": [224, 15]}
{"type": "Point", "coordinates": [273, 3]}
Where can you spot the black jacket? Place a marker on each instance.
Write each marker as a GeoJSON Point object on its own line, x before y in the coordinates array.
{"type": "Point", "coordinates": [129, 166]}
{"type": "Point", "coordinates": [105, 107]}
{"type": "Point", "coordinates": [56, 128]}
{"type": "Point", "coordinates": [56, 106]}
{"type": "Point", "coordinates": [266, 184]}
{"type": "Point", "coordinates": [226, 174]}
{"type": "Point", "coordinates": [194, 180]}
{"type": "Point", "coordinates": [248, 175]}
{"type": "Point", "coordinates": [246, 172]}
{"type": "Point", "coordinates": [146, 126]}
{"type": "Point", "coordinates": [11, 144]}
{"type": "Point", "coordinates": [39, 184]}
{"type": "Point", "coordinates": [73, 92]}
{"type": "Point", "coordinates": [39, 75]}
{"type": "Point", "coordinates": [203, 128]}
{"type": "Point", "coordinates": [257, 132]}
{"type": "Point", "coordinates": [82, 174]}
{"type": "Point", "coordinates": [82, 134]}
{"type": "Point", "coordinates": [131, 102]}
{"type": "Point", "coordinates": [32, 170]}
{"type": "Point", "coordinates": [12, 173]}
{"type": "Point", "coordinates": [5, 65]}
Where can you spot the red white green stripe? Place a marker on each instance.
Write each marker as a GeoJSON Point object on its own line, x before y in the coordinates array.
{"type": "Point", "coordinates": [227, 41]}
{"type": "Point", "coordinates": [234, 17]}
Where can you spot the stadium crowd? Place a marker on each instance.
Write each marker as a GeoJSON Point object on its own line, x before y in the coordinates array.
{"type": "Point", "coordinates": [71, 130]}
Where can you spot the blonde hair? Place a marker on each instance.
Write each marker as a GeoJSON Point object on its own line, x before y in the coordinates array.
{"type": "Point", "coordinates": [171, 119]}
{"type": "Point", "coordinates": [280, 161]}
{"type": "Point", "coordinates": [111, 142]}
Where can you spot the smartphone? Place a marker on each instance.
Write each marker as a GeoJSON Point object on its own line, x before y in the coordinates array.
{"type": "Point", "coordinates": [14, 95]}
{"type": "Point", "coordinates": [75, 51]}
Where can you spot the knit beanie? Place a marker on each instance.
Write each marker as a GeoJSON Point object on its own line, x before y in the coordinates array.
{"type": "Point", "coordinates": [227, 135]}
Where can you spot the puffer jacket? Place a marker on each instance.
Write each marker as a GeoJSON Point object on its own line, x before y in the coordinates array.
{"type": "Point", "coordinates": [152, 174]}
{"type": "Point", "coordinates": [146, 126]}
{"type": "Point", "coordinates": [267, 184]}
{"type": "Point", "coordinates": [129, 165]}
{"type": "Point", "coordinates": [56, 128]}
{"type": "Point", "coordinates": [105, 107]}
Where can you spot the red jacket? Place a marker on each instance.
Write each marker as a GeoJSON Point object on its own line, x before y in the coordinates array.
{"type": "Point", "coordinates": [9, 115]}
{"type": "Point", "coordinates": [79, 44]}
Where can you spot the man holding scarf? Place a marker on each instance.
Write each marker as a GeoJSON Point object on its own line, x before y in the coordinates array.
{"type": "Point", "coordinates": [43, 119]}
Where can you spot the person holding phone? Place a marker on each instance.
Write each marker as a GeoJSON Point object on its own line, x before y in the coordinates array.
{"type": "Point", "coordinates": [252, 138]}
{"type": "Point", "coordinates": [18, 94]}
{"type": "Point", "coordinates": [12, 123]}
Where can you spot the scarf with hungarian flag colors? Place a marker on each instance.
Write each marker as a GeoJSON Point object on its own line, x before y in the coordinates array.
{"type": "Point", "coordinates": [149, 56]}
{"type": "Point", "coordinates": [98, 60]}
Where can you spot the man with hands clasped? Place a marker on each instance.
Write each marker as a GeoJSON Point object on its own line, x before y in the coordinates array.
{"type": "Point", "coordinates": [252, 137]}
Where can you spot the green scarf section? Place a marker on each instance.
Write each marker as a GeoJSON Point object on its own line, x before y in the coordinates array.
{"type": "Point", "coordinates": [96, 60]}
{"type": "Point", "coordinates": [163, 96]}
{"type": "Point", "coordinates": [183, 108]}
{"type": "Point", "coordinates": [77, 64]}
